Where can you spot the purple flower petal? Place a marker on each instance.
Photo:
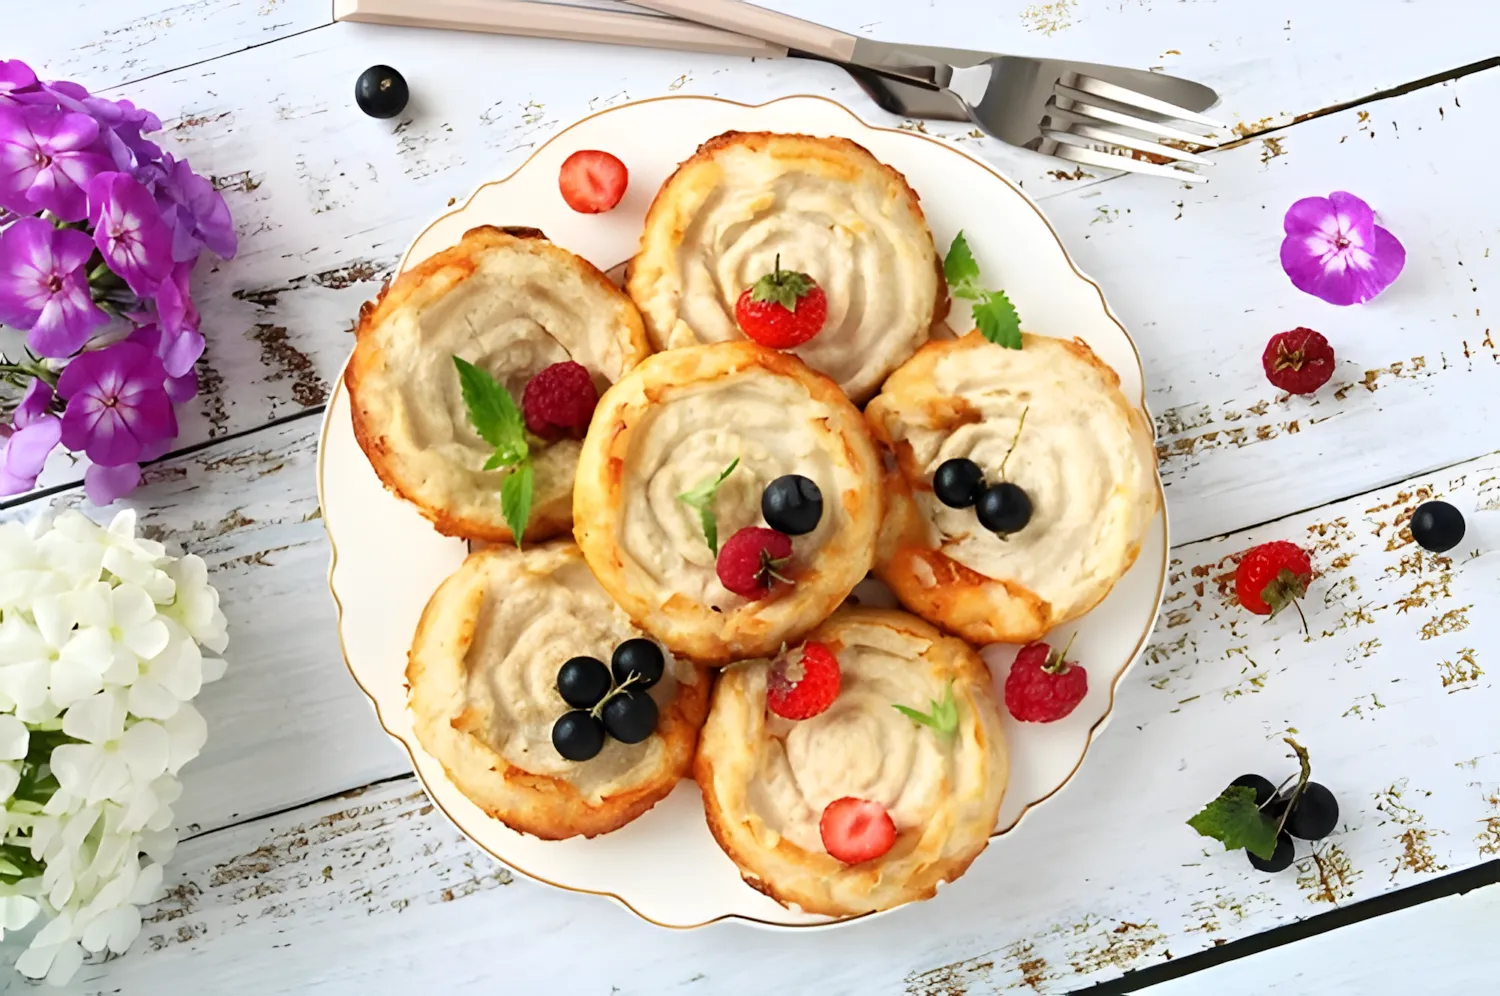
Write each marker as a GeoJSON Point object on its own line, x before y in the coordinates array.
{"type": "Point", "coordinates": [35, 404]}
{"type": "Point", "coordinates": [200, 217]}
{"type": "Point", "coordinates": [15, 75]}
{"type": "Point", "coordinates": [184, 388]}
{"type": "Point", "coordinates": [1334, 250]}
{"type": "Point", "coordinates": [129, 231]}
{"type": "Point", "coordinates": [181, 353]}
{"type": "Point", "coordinates": [103, 485]}
{"type": "Point", "coordinates": [25, 453]}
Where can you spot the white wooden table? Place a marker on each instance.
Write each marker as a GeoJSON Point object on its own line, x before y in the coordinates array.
{"type": "Point", "coordinates": [313, 863]}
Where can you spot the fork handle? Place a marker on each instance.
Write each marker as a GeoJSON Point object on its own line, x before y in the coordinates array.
{"type": "Point", "coordinates": [758, 22]}
{"type": "Point", "coordinates": [543, 20]}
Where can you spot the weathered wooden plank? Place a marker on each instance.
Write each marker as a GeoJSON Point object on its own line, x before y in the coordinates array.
{"type": "Point", "coordinates": [1389, 692]}
{"type": "Point", "coordinates": [104, 43]}
{"type": "Point", "coordinates": [286, 722]}
{"type": "Point", "coordinates": [1437, 947]}
{"type": "Point", "coordinates": [1195, 275]}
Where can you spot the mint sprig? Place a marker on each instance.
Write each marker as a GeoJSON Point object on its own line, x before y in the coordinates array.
{"type": "Point", "coordinates": [701, 498]}
{"type": "Point", "coordinates": [994, 315]}
{"type": "Point", "coordinates": [942, 717]}
{"type": "Point", "coordinates": [495, 416]}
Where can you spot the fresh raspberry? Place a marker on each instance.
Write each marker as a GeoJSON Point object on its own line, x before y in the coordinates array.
{"type": "Point", "coordinates": [1271, 577]}
{"type": "Point", "coordinates": [1043, 686]}
{"type": "Point", "coordinates": [803, 682]}
{"type": "Point", "coordinates": [748, 563]}
{"type": "Point", "coordinates": [559, 401]}
{"type": "Point", "coordinates": [855, 830]}
{"type": "Point", "coordinates": [783, 309]}
{"type": "Point", "coordinates": [1299, 361]}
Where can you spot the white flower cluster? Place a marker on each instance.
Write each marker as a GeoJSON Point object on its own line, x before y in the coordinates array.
{"type": "Point", "coordinates": [101, 651]}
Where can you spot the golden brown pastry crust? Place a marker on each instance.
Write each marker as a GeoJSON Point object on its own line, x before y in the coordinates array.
{"type": "Point", "coordinates": [876, 318]}
{"type": "Point", "coordinates": [460, 501]}
{"type": "Point", "coordinates": [458, 721]}
{"type": "Point", "coordinates": [913, 555]}
{"type": "Point", "coordinates": [679, 599]}
{"type": "Point", "coordinates": [940, 849]}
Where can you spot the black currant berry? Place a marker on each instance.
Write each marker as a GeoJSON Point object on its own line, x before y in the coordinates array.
{"type": "Point", "coordinates": [639, 657]}
{"type": "Point", "coordinates": [381, 92]}
{"type": "Point", "coordinates": [958, 483]}
{"type": "Point", "coordinates": [1004, 508]}
{"type": "Point", "coordinates": [1264, 787]}
{"type": "Point", "coordinates": [630, 716]}
{"type": "Point", "coordinates": [583, 682]}
{"type": "Point", "coordinates": [792, 505]}
{"type": "Point", "coordinates": [1437, 526]}
{"type": "Point", "coordinates": [577, 735]}
{"type": "Point", "coordinates": [1281, 859]}
{"type": "Point", "coordinates": [1315, 814]}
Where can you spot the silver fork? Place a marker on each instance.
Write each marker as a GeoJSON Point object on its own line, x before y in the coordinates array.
{"type": "Point", "coordinates": [1085, 113]}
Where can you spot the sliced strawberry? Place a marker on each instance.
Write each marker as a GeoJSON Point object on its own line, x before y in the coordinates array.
{"type": "Point", "coordinates": [592, 181]}
{"type": "Point", "coordinates": [803, 682]}
{"type": "Point", "coordinates": [855, 830]}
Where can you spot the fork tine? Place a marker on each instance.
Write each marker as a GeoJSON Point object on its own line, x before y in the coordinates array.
{"type": "Point", "coordinates": [1093, 157]}
{"type": "Point", "coordinates": [1123, 95]}
{"type": "Point", "coordinates": [1093, 111]}
{"type": "Point", "coordinates": [1109, 137]}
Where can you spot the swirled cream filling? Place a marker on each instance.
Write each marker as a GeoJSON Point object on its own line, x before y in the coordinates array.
{"type": "Point", "coordinates": [524, 635]}
{"type": "Point", "coordinates": [860, 746]}
{"type": "Point", "coordinates": [1087, 474]}
{"type": "Point", "coordinates": [858, 240]}
{"type": "Point", "coordinates": [515, 315]}
{"type": "Point", "coordinates": [767, 422]}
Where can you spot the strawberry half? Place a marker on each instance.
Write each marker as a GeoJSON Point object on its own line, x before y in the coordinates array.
{"type": "Point", "coordinates": [856, 830]}
{"type": "Point", "coordinates": [804, 682]}
{"type": "Point", "coordinates": [592, 181]}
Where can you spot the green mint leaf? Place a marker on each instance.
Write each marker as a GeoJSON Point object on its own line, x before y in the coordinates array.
{"type": "Point", "coordinates": [997, 320]}
{"type": "Point", "coordinates": [960, 269]}
{"type": "Point", "coordinates": [701, 498]}
{"type": "Point", "coordinates": [493, 414]}
{"type": "Point", "coordinates": [515, 498]}
{"type": "Point", "coordinates": [1235, 820]}
{"type": "Point", "coordinates": [942, 717]}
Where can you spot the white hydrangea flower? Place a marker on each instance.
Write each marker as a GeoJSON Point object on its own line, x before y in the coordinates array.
{"type": "Point", "coordinates": [101, 637]}
{"type": "Point", "coordinates": [112, 755]}
{"type": "Point", "coordinates": [197, 603]}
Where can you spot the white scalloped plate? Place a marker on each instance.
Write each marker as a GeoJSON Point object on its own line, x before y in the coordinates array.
{"type": "Point", "coordinates": [387, 560]}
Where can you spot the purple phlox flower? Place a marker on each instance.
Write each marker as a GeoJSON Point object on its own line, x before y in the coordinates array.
{"type": "Point", "coordinates": [195, 211]}
{"type": "Point", "coordinates": [181, 343]}
{"type": "Point", "coordinates": [129, 231]}
{"type": "Point", "coordinates": [1334, 250]}
{"type": "Point", "coordinates": [15, 75]}
{"type": "Point", "coordinates": [121, 124]}
{"type": "Point", "coordinates": [117, 404]}
{"type": "Point", "coordinates": [26, 444]}
{"type": "Point", "coordinates": [47, 159]}
{"type": "Point", "coordinates": [184, 386]}
{"type": "Point", "coordinates": [43, 286]}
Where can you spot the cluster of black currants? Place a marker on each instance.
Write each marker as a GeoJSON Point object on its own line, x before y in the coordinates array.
{"type": "Point", "coordinates": [792, 504]}
{"type": "Point", "coordinates": [1313, 816]}
{"type": "Point", "coordinates": [609, 700]}
{"type": "Point", "coordinates": [1001, 508]}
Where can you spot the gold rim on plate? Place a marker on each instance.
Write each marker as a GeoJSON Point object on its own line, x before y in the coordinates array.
{"type": "Point", "coordinates": [1114, 685]}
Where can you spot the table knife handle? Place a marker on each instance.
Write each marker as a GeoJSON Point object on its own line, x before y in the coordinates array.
{"type": "Point", "coordinates": [544, 20]}
{"type": "Point", "coordinates": [748, 19]}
